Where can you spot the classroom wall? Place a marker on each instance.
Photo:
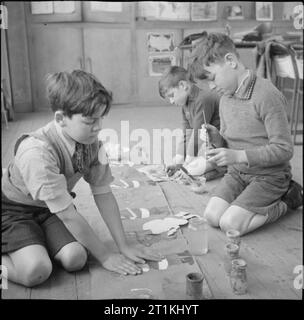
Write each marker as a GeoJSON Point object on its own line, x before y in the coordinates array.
{"type": "Point", "coordinates": [18, 57]}
{"type": "Point", "coordinates": [137, 89]}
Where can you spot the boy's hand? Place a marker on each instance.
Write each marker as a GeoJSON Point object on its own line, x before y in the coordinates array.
{"type": "Point", "coordinates": [172, 169]}
{"type": "Point", "coordinates": [120, 264]}
{"type": "Point", "coordinates": [212, 132]}
{"type": "Point", "coordinates": [224, 157]}
{"type": "Point", "coordinates": [139, 254]}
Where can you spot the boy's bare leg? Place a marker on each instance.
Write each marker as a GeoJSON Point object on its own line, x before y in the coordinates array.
{"type": "Point", "coordinates": [28, 266]}
{"type": "Point", "coordinates": [241, 219]}
{"type": "Point", "coordinates": [73, 256]}
{"type": "Point", "coordinates": [214, 210]}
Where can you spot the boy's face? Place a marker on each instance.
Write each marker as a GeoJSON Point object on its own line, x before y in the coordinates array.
{"type": "Point", "coordinates": [82, 129]}
{"type": "Point", "coordinates": [178, 95]}
{"type": "Point", "coordinates": [223, 76]}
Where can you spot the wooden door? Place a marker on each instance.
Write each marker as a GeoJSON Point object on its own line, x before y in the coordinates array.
{"type": "Point", "coordinates": [52, 49]}
{"type": "Point", "coordinates": [108, 57]}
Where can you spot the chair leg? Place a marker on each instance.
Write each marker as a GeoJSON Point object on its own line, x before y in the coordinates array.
{"type": "Point", "coordinates": [294, 96]}
{"type": "Point", "coordinates": [297, 116]}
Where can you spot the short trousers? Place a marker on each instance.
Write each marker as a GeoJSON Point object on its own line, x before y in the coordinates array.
{"type": "Point", "coordinates": [24, 225]}
{"type": "Point", "coordinates": [260, 194]}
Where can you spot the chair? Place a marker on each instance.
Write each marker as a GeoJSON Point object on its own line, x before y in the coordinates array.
{"type": "Point", "coordinates": [291, 67]}
{"type": "Point", "coordinates": [3, 111]}
{"type": "Point", "coordinates": [6, 103]}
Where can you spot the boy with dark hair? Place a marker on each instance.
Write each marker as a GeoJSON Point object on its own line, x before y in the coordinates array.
{"type": "Point", "coordinates": [198, 106]}
{"type": "Point", "coordinates": [254, 142]}
{"type": "Point", "coordinates": [39, 220]}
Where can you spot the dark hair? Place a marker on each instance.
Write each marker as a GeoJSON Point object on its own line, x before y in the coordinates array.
{"type": "Point", "coordinates": [211, 49]}
{"type": "Point", "coordinates": [171, 78]}
{"type": "Point", "coordinates": [77, 92]}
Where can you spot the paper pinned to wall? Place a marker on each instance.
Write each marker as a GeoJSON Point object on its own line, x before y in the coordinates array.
{"type": "Point", "coordinates": [158, 64]}
{"type": "Point", "coordinates": [174, 10]}
{"type": "Point", "coordinates": [164, 10]}
{"type": "Point", "coordinates": [160, 42]}
{"type": "Point", "coordinates": [42, 7]}
{"type": "Point", "coordinates": [64, 6]}
{"type": "Point", "coordinates": [106, 6]}
{"type": "Point", "coordinates": [203, 11]}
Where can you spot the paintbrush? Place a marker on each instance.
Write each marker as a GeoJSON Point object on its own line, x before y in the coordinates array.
{"type": "Point", "coordinates": [208, 144]}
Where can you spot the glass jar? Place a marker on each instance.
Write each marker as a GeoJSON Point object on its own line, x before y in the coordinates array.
{"type": "Point", "coordinates": [234, 236]}
{"type": "Point", "coordinates": [238, 277]}
{"type": "Point", "coordinates": [232, 253]}
{"type": "Point", "coordinates": [197, 236]}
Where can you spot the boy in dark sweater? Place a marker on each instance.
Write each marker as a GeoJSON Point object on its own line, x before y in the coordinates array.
{"type": "Point", "coordinates": [254, 142]}
{"type": "Point", "coordinates": [198, 106]}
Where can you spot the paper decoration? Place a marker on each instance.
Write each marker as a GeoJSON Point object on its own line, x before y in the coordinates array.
{"type": "Point", "coordinates": [42, 7]}
{"type": "Point", "coordinates": [106, 6]}
{"type": "Point", "coordinates": [64, 6]}
{"type": "Point", "coordinates": [158, 226]}
{"type": "Point", "coordinates": [158, 64]}
{"type": "Point", "coordinates": [160, 42]}
{"type": "Point", "coordinates": [163, 10]}
{"type": "Point", "coordinates": [264, 11]}
{"type": "Point", "coordinates": [203, 11]}
{"type": "Point", "coordinates": [234, 12]}
{"type": "Point", "coordinates": [174, 10]}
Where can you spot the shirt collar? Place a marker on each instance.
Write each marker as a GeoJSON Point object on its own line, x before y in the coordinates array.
{"type": "Point", "coordinates": [69, 144]}
{"type": "Point", "coordinates": [244, 91]}
{"type": "Point", "coordinates": [194, 91]}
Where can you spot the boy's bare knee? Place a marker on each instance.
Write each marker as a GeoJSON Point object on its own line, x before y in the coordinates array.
{"type": "Point", "coordinates": [212, 218]}
{"type": "Point", "coordinates": [73, 256]}
{"type": "Point", "coordinates": [36, 272]}
{"type": "Point", "coordinates": [228, 222]}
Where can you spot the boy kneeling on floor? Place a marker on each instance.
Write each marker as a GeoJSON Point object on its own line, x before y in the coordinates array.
{"type": "Point", "coordinates": [39, 220]}
{"type": "Point", "coordinates": [254, 141]}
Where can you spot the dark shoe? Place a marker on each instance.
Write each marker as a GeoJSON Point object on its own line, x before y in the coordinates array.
{"type": "Point", "coordinates": [294, 195]}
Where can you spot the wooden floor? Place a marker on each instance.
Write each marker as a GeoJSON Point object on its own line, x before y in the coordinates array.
{"type": "Point", "coordinates": [271, 252]}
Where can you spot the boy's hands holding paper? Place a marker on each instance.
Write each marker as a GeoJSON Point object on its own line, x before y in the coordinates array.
{"type": "Point", "coordinates": [220, 156]}
{"type": "Point", "coordinates": [210, 133]}
{"type": "Point", "coordinates": [124, 262]}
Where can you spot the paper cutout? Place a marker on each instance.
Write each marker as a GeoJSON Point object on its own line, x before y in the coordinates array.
{"type": "Point", "coordinates": [173, 259]}
{"type": "Point", "coordinates": [158, 64]}
{"type": "Point", "coordinates": [154, 172]}
{"type": "Point", "coordinates": [158, 226]}
{"type": "Point", "coordinates": [163, 264]}
{"type": "Point", "coordinates": [160, 42]}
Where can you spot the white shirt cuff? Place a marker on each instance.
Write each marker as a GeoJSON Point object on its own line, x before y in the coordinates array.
{"type": "Point", "coordinates": [59, 203]}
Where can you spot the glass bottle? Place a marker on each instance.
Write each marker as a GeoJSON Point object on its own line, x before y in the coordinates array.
{"type": "Point", "coordinates": [238, 277]}
{"type": "Point", "coordinates": [232, 253]}
{"type": "Point", "coordinates": [198, 236]}
{"type": "Point", "coordinates": [234, 236]}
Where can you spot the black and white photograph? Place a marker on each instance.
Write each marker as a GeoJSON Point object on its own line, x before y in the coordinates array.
{"type": "Point", "coordinates": [264, 11]}
{"type": "Point", "coordinates": [152, 154]}
{"type": "Point", "coordinates": [203, 11]}
{"type": "Point", "coordinates": [234, 12]}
